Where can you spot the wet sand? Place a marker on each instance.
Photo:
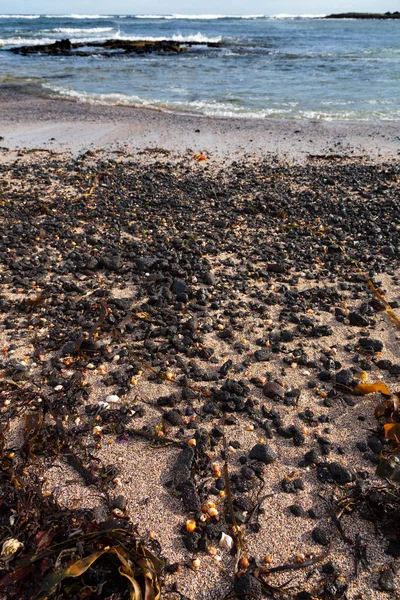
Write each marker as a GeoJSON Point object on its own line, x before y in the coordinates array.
{"type": "Point", "coordinates": [61, 125]}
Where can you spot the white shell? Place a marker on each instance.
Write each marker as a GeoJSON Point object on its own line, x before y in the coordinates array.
{"type": "Point", "coordinates": [226, 541]}
{"type": "Point", "coordinates": [11, 547]}
{"type": "Point", "coordinates": [112, 399]}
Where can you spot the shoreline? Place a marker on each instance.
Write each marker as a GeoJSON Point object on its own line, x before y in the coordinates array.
{"type": "Point", "coordinates": [66, 125]}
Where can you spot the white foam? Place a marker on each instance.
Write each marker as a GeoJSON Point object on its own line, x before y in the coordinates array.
{"type": "Point", "coordinates": [206, 17]}
{"type": "Point", "coordinates": [20, 41]}
{"type": "Point", "coordinates": [75, 16]}
{"type": "Point", "coordinates": [76, 30]}
{"type": "Point", "coordinates": [214, 108]}
{"type": "Point", "coordinates": [19, 16]}
{"type": "Point", "coordinates": [304, 16]}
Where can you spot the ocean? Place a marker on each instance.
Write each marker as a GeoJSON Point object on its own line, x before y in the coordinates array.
{"type": "Point", "coordinates": [297, 67]}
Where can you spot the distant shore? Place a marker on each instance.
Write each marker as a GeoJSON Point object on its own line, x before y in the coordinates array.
{"type": "Point", "coordinates": [58, 125]}
{"type": "Point", "coordinates": [356, 15]}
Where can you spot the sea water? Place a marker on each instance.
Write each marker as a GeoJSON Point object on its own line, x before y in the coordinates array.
{"type": "Point", "coordinates": [278, 66]}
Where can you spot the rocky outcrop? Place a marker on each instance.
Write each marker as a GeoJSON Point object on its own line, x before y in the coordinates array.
{"type": "Point", "coordinates": [109, 47]}
{"type": "Point", "coordinates": [351, 15]}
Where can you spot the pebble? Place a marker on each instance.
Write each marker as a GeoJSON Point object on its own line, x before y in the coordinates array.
{"type": "Point", "coordinates": [321, 537]}
{"type": "Point", "coordinates": [274, 390]}
{"type": "Point", "coordinates": [263, 453]}
{"type": "Point", "coordinates": [386, 581]}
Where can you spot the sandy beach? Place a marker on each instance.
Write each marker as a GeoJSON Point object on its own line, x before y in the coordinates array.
{"type": "Point", "coordinates": [32, 122]}
{"type": "Point", "coordinates": [189, 310]}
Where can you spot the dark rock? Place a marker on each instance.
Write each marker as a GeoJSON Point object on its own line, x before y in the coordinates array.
{"type": "Point", "coordinates": [248, 587]}
{"type": "Point", "coordinates": [334, 472]}
{"type": "Point", "coordinates": [173, 417]}
{"type": "Point", "coordinates": [274, 390]}
{"type": "Point", "coordinates": [386, 581]}
{"type": "Point", "coordinates": [361, 446]}
{"type": "Point", "coordinates": [369, 343]}
{"type": "Point", "coordinates": [182, 470]}
{"type": "Point", "coordinates": [320, 536]}
{"type": "Point", "coordinates": [226, 367]}
{"type": "Point", "coordinates": [262, 355]}
{"type": "Point", "coordinates": [358, 320]}
{"type": "Point", "coordinates": [119, 502]}
{"type": "Point", "coordinates": [276, 267]}
{"type": "Point", "coordinates": [345, 377]}
{"type": "Point", "coordinates": [247, 473]}
{"type": "Point", "coordinates": [263, 453]}
{"type": "Point", "coordinates": [395, 370]}
{"type": "Point", "coordinates": [309, 458]}
{"type": "Point", "coordinates": [296, 510]}
{"type": "Point", "coordinates": [191, 541]}
{"type": "Point", "coordinates": [394, 548]}
{"type": "Point", "coordinates": [292, 486]}
{"type": "Point", "coordinates": [209, 278]}
{"type": "Point", "coordinates": [190, 498]}
{"type": "Point", "coordinates": [375, 444]}
{"type": "Point", "coordinates": [178, 287]}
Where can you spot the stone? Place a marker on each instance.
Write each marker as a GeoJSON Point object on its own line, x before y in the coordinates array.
{"type": "Point", "coordinates": [320, 536]}
{"type": "Point", "coordinates": [345, 377]}
{"type": "Point", "coordinates": [358, 319]}
{"type": "Point", "coordinates": [248, 587]}
{"type": "Point", "coordinates": [119, 502]}
{"type": "Point", "coordinates": [263, 453]}
{"type": "Point", "coordinates": [375, 345]}
{"type": "Point", "coordinates": [386, 581]}
{"type": "Point", "coordinates": [334, 472]}
{"type": "Point", "coordinates": [273, 390]}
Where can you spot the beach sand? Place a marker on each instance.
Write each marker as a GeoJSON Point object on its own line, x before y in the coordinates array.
{"type": "Point", "coordinates": [260, 255]}
{"type": "Point", "coordinates": [33, 122]}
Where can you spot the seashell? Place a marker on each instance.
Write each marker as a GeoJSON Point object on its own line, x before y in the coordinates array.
{"type": "Point", "coordinates": [196, 563]}
{"type": "Point", "coordinates": [112, 399]}
{"type": "Point", "coordinates": [10, 547]}
{"type": "Point", "coordinates": [117, 512]}
{"type": "Point", "coordinates": [190, 525]}
{"type": "Point", "coordinates": [213, 512]}
{"type": "Point", "coordinates": [226, 542]}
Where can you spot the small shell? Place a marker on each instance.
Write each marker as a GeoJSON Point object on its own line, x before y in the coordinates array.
{"type": "Point", "coordinates": [213, 512]}
{"type": "Point", "coordinates": [226, 541]}
{"type": "Point", "coordinates": [112, 399]}
{"type": "Point", "coordinates": [190, 525]}
{"type": "Point", "coordinates": [196, 563]}
{"type": "Point", "coordinates": [117, 512]}
{"type": "Point", "coordinates": [192, 442]}
{"type": "Point", "coordinates": [212, 551]}
{"type": "Point", "coordinates": [249, 427]}
{"type": "Point", "coordinates": [96, 430]}
{"type": "Point", "coordinates": [244, 562]}
{"type": "Point", "coordinates": [10, 547]}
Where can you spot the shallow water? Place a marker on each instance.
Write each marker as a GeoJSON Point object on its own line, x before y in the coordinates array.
{"type": "Point", "coordinates": [266, 67]}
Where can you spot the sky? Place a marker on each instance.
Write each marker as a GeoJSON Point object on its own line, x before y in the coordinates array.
{"type": "Point", "coordinates": [267, 7]}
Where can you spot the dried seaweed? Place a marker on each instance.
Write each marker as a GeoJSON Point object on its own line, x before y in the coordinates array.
{"type": "Point", "coordinates": [70, 555]}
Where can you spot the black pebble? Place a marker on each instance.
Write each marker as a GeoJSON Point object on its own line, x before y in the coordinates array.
{"type": "Point", "coordinates": [320, 536]}
{"type": "Point", "coordinates": [263, 453]}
